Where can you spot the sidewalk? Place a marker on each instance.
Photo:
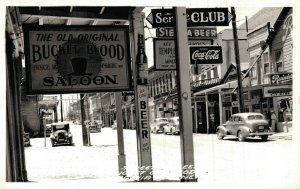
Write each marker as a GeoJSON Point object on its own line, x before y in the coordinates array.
{"type": "Point", "coordinates": [282, 135]}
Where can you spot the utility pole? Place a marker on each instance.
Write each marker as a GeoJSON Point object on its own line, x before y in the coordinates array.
{"type": "Point", "coordinates": [237, 60]}
{"type": "Point", "coordinates": [84, 130]}
{"type": "Point", "coordinates": [61, 109]}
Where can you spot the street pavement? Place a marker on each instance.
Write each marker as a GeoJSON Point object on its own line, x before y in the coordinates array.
{"type": "Point", "coordinates": [221, 164]}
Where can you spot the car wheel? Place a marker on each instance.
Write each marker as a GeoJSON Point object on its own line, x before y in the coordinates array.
{"type": "Point", "coordinates": [240, 136]}
{"type": "Point", "coordinates": [52, 142]}
{"type": "Point", "coordinates": [264, 137]}
{"type": "Point", "coordinates": [70, 141]}
{"type": "Point", "coordinates": [220, 135]}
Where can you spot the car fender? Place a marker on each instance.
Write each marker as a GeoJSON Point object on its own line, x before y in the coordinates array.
{"type": "Point", "coordinates": [222, 128]}
{"type": "Point", "coordinates": [245, 131]}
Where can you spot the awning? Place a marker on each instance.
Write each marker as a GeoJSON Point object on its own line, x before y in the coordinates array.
{"type": "Point", "coordinates": [229, 85]}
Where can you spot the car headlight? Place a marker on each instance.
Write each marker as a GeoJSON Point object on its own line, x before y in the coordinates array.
{"type": "Point", "coordinates": [55, 134]}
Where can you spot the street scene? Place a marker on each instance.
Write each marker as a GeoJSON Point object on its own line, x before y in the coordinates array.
{"type": "Point", "coordinates": [130, 96]}
{"type": "Point", "coordinates": [218, 163]}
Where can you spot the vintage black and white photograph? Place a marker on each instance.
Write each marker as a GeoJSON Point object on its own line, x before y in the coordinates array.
{"type": "Point", "coordinates": [136, 94]}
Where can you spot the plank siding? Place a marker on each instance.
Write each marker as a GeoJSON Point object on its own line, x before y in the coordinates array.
{"type": "Point", "coordinates": [286, 45]}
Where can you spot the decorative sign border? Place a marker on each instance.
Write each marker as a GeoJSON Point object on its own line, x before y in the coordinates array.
{"type": "Point", "coordinates": [77, 59]}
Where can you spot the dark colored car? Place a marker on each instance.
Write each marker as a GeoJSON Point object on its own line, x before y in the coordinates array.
{"type": "Point", "coordinates": [26, 139]}
{"type": "Point", "coordinates": [95, 126]}
{"type": "Point", "coordinates": [60, 134]}
{"type": "Point", "coordinates": [243, 125]}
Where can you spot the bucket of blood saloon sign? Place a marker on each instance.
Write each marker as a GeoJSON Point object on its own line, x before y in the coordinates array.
{"type": "Point", "coordinates": [68, 59]}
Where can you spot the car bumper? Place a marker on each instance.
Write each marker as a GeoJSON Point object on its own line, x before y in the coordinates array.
{"type": "Point", "coordinates": [261, 133]}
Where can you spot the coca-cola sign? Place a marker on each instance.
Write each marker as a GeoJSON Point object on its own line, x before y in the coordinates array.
{"type": "Point", "coordinates": [206, 55]}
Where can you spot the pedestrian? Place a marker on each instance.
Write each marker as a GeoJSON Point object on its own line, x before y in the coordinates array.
{"type": "Point", "coordinates": [273, 121]}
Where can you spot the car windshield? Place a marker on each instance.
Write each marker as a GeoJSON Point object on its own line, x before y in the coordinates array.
{"type": "Point", "coordinates": [255, 117]}
{"type": "Point", "coordinates": [162, 120]}
{"type": "Point", "coordinates": [60, 127]}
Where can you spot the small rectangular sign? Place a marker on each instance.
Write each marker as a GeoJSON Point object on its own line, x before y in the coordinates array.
{"type": "Point", "coordinates": [206, 54]}
{"type": "Point", "coordinates": [195, 17]}
{"type": "Point", "coordinates": [192, 32]}
{"type": "Point", "coordinates": [77, 59]}
{"type": "Point", "coordinates": [281, 78]}
{"type": "Point", "coordinates": [164, 52]}
{"type": "Point", "coordinates": [278, 90]}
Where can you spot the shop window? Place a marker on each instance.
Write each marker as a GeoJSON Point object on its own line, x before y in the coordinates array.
{"type": "Point", "coordinates": [279, 60]}
{"type": "Point", "coordinates": [266, 62]}
{"type": "Point", "coordinates": [245, 95]}
{"type": "Point", "coordinates": [253, 71]}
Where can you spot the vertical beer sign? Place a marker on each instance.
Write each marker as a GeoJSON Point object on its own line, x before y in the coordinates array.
{"type": "Point", "coordinates": [80, 59]}
{"type": "Point", "coordinates": [143, 129]}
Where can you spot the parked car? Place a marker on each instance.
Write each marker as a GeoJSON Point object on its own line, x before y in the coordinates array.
{"type": "Point", "coordinates": [26, 139]}
{"type": "Point", "coordinates": [114, 125]}
{"type": "Point", "coordinates": [173, 126]}
{"type": "Point", "coordinates": [157, 126]}
{"type": "Point", "coordinates": [243, 125]}
{"type": "Point", "coordinates": [60, 134]}
{"type": "Point", "coordinates": [94, 126]}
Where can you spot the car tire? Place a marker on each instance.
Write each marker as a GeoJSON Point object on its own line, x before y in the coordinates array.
{"type": "Point", "coordinates": [241, 137]}
{"type": "Point", "coordinates": [264, 137]}
{"type": "Point", "coordinates": [52, 142]}
{"type": "Point", "coordinates": [220, 135]}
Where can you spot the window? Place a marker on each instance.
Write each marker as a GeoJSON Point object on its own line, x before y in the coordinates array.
{"type": "Point", "coordinates": [279, 60]}
{"type": "Point", "coordinates": [253, 69]}
{"type": "Point", "coordinates": [266, 62]}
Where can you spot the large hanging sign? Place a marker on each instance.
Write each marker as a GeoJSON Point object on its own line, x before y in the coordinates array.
{"type": "Point", "coordinates": [195, 17]}
{"type": "Point", "coordinates": [206, 55]}
{"type": "Point", "coordinates": [70, 59]}
{"type": "Point", "coordinates": [164, 52]}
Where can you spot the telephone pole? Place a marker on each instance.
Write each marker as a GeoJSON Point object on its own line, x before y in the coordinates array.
{"type": "Point", "coordinates": [237, 60]}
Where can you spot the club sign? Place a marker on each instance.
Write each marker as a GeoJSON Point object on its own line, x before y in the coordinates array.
{"type": "Point", "coordinates": [72, 59]}
{"type": "Point", "coordinates": [195, 17]}
{"type": "Point", "coordinates": [206, 54]}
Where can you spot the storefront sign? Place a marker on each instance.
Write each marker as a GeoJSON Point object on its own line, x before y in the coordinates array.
{"type": "Point", "coordinates": [72, 59]}
{"type": "Point", "coordinates": [282, 90]}
{"type": "Point", "coordinates": [281, 78]}
{"type": "Point", "coordinates": [206, 55]}
{"type": "Point", "coordinates": [192, 32]}
{"type": "Point", "coordinates": [198, 99]}
{"type": "Point", "coordinates": [195, 17]}
{"type": "Point", "coordinates": [164, 52]}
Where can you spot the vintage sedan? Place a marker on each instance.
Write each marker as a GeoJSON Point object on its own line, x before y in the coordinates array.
{"type": "Point", "coordinates": [60, 134]}
{"type": "Point", "coordinates": [173, 126]}
{"type": "Point", "coordinates": [157, 126]}
{"type": "Point", "coordinates": [243, 125]}
{"type": "Point", "coordinates": [94, 126]}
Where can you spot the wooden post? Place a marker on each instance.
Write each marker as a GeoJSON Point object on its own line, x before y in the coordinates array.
{"type": "Point", "coordinates": [184, 96]}
{"type": "Point", "coordinates": [84, 130]}
{"type": "Point", "coordinates": [121, 156]}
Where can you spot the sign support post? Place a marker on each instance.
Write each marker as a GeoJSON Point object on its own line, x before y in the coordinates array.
{"type": "Point", "coordinates": [140, 75]}
{"type": "Point", "coordinates": [184, 96]}
{"type": "Point", "coordinates": [84, 130]}
{"type": "Point", "coordinates": [121, 156]}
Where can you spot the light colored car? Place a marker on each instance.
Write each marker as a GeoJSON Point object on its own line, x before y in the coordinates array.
{"type": "Point", "coordinates": [173, 126]}
{"type": "Point", "coordinates": [114, 125]}
{"type": "Point", "coordinates": [243, 125]}
{"type": "Point", "coordinates": [157, 125]}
